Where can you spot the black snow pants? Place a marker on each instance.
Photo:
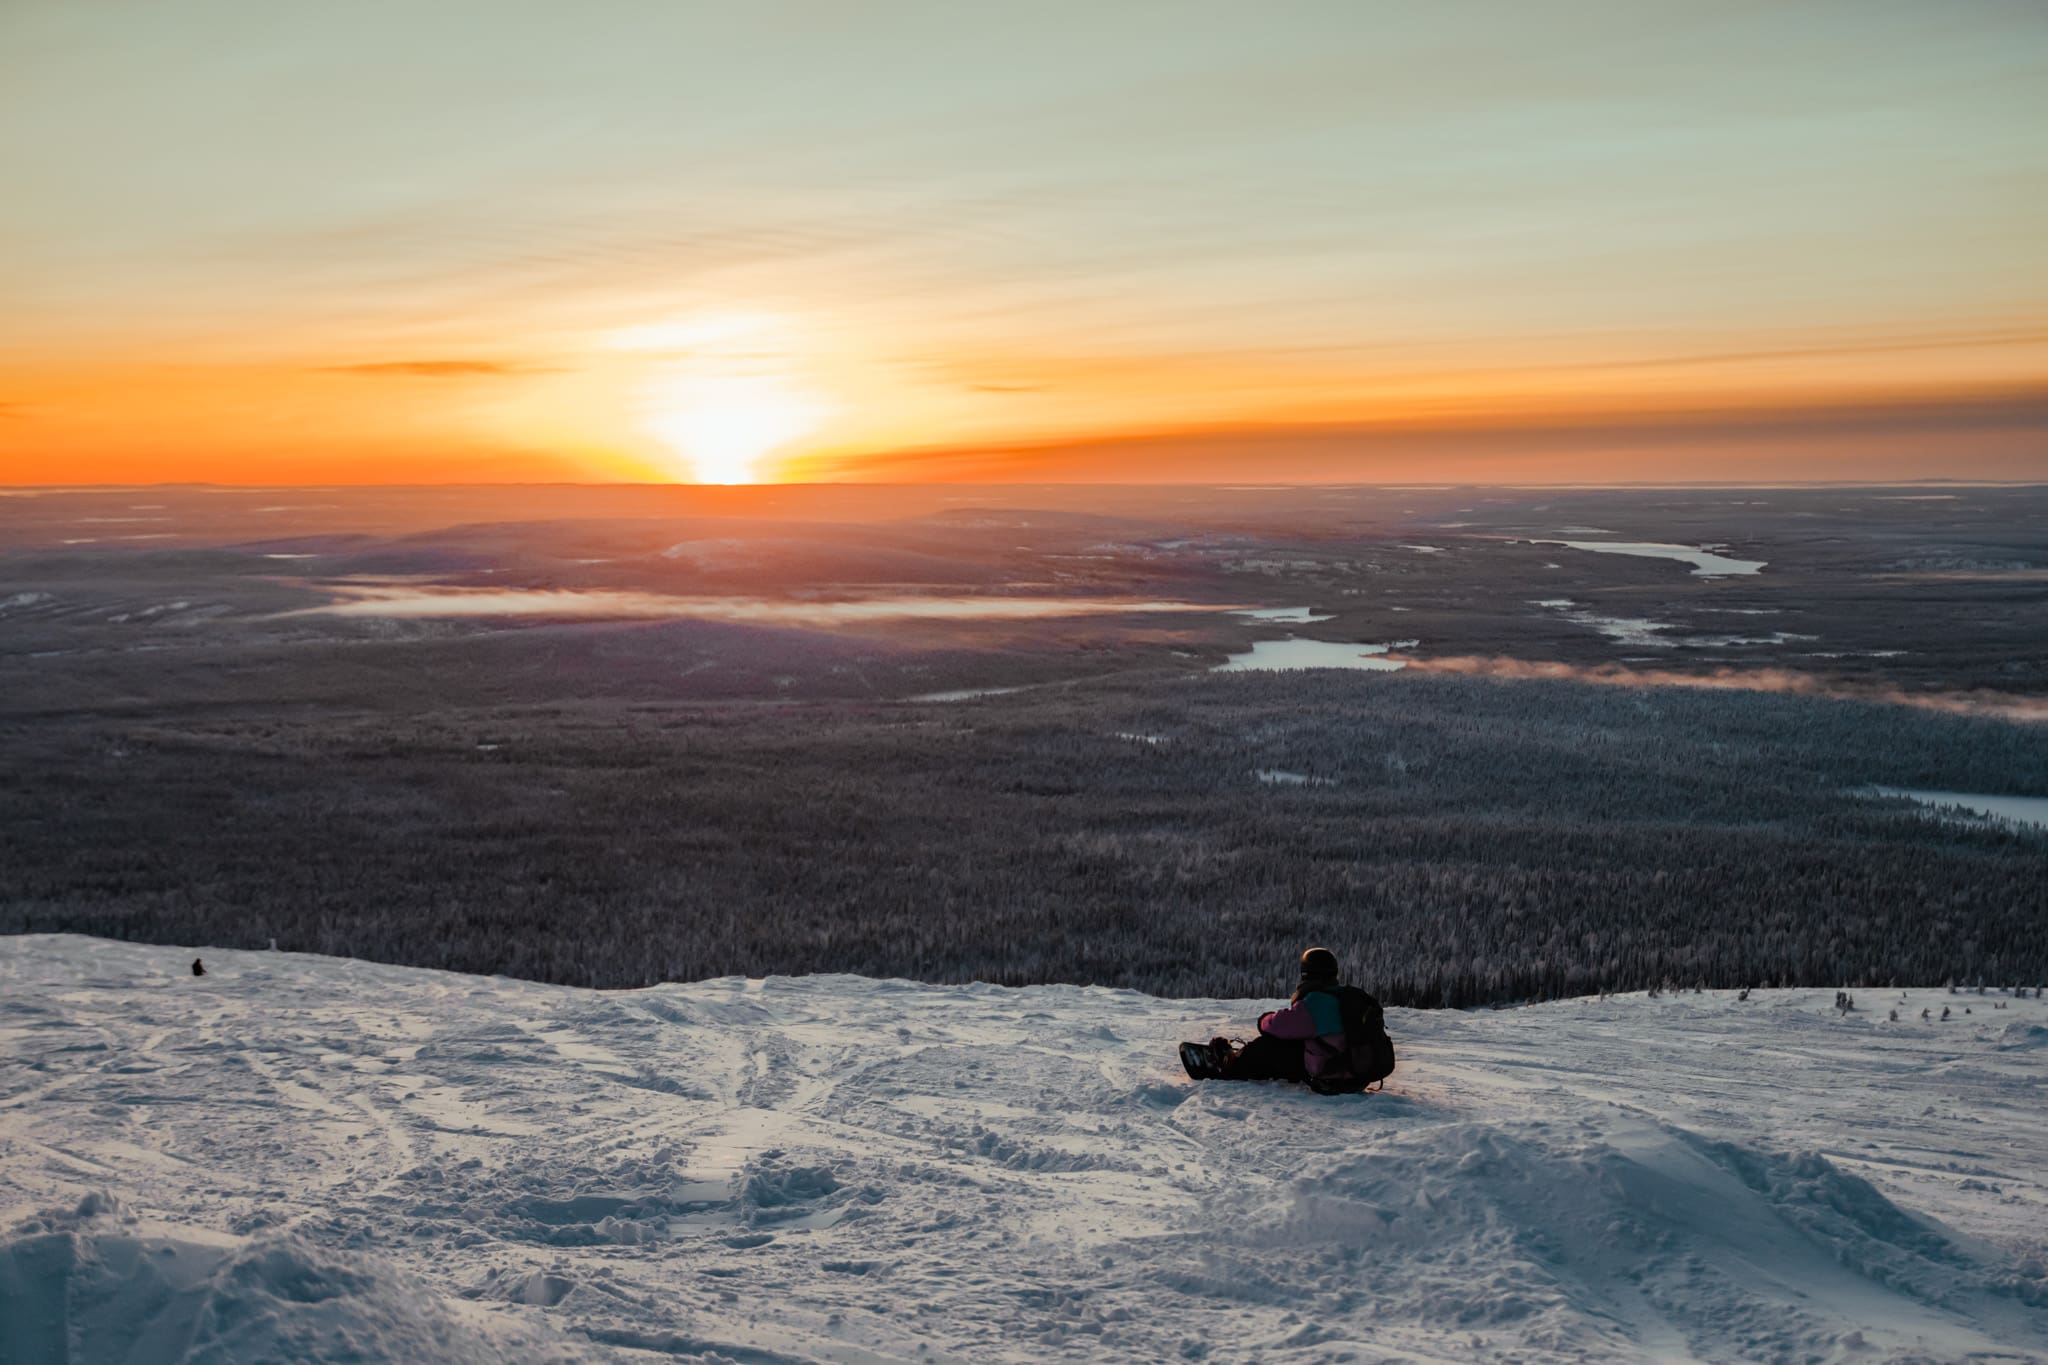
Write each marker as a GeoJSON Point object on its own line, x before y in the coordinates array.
{"type": "Point", "coordinates": [1268, 1059]}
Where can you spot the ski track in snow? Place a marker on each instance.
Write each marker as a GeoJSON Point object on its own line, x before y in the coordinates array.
{"type": "Point", "coordinates": [314, 1158]}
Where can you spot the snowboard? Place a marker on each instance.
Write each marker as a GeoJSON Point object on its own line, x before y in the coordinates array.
{"type": "Point", "coordinates": [1201, 1061]}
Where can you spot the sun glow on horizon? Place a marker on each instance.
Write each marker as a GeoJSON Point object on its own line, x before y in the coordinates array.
{"type": "Point", "coordinates": [726, 392]}
{"type": "Point", "coordinates": [724, 425]}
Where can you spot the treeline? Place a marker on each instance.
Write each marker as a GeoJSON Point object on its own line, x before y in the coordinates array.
{"type": "Point", "coordinates": [1465, 841]}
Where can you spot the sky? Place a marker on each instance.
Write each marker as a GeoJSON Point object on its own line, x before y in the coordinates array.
{"type": "Point", "coordinates": [244, 241]}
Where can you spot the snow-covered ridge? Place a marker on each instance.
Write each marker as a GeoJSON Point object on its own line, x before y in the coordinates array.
{"type": "Point", "coordinates": [300, 1157]}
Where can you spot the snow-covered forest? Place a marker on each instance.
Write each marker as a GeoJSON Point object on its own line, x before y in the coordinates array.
{"type": "Point", "coordinates": [1461, 840]}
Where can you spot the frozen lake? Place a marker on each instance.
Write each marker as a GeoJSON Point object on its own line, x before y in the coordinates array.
{"type": "Point", "coordinates": [1290, 615]}
{"type": "Point", "coordinates": [1705, 563]}
{"type": "Point", "coordinates": [2020, 810]}
{"type": "Point", "coordinates": [965, 693]}
{"type": "Point", "coordinates": [1280, 777]}
{"type": "Point", "coordinates": [389, 599]}
{"type": "Point", "coordinates": [1285, 655]}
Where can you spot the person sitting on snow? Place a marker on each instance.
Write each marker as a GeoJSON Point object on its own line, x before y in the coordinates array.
{"type": "Point", "coordinates": [1331, 1036]}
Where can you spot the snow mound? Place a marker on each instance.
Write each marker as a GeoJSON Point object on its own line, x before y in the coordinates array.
{"type": "Point", "coordinates": [1612, 1237]}
{"type": "Point", "coordinates": [2019, 1036]}
{"type": "Point", "coordinates": [89, 1285]}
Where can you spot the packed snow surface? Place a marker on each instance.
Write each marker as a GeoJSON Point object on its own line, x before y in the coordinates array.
{"type": "Point", "coordinates": [317, 1159]}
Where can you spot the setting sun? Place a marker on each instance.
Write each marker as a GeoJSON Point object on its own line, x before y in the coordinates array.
{"type": "Point", "coordinates": [726, 392]}
{"type": "Point", "coordinates": [723, 424]}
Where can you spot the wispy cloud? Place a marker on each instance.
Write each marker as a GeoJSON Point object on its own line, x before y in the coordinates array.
{"type": "Point", "coordinates": [1931, 341]}
{"type": "Point", "coordinates": [1992, 431]}
{"type": "Point", "coordinates": [439, 369]}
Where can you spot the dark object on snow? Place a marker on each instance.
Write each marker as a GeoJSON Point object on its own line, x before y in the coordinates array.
{"type": "Point", "coordinates": [1742, 994]}
{"type": "Point", "coordinates": [1205, 1061]}
{"type": "Point", "coordinates": [1368, 1051]}
{"type": "Point", "coordinates": [1332, 1037]}
{"type": "Point", "coordinates": [1264, 1058]}
{"type": "Point", "coordinates": [198, 968]}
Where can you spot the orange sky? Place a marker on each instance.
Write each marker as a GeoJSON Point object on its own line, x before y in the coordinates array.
{"type": "Point", "coordinates": [1377, 243]}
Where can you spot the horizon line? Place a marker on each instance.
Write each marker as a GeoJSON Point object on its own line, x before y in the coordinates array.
{"type": "Point", "coordinates": [1230, 486]}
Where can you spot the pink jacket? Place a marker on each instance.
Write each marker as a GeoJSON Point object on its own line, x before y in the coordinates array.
{"type": "Point", "coordinates": [1317, 1021]}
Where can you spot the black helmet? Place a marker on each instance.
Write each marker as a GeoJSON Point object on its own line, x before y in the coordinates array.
{"type": "Point", "coordinates": [1319, 963]}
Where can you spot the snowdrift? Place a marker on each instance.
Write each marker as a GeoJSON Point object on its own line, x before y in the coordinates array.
{"type": "Point", "coordinates": [91, 1286]}
{"type": "Point", "coordinates": [317, 1159]}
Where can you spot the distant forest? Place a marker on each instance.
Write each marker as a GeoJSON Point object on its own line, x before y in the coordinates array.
{"type": "Point", "coordinates": [1457, 841]}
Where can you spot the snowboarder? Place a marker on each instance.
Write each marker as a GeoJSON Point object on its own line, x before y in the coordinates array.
{"type": "Point", "coordinates": [198, 967]}
{"type": "Point", "coordinates": [1331, 1036]}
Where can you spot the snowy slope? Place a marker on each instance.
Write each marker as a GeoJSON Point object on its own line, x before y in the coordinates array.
{"type": "Point", "coordinates": [311, 1158]}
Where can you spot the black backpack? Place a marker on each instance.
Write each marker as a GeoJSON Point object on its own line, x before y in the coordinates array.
{"type": "Point", "coordinates": [1368, 1051]}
